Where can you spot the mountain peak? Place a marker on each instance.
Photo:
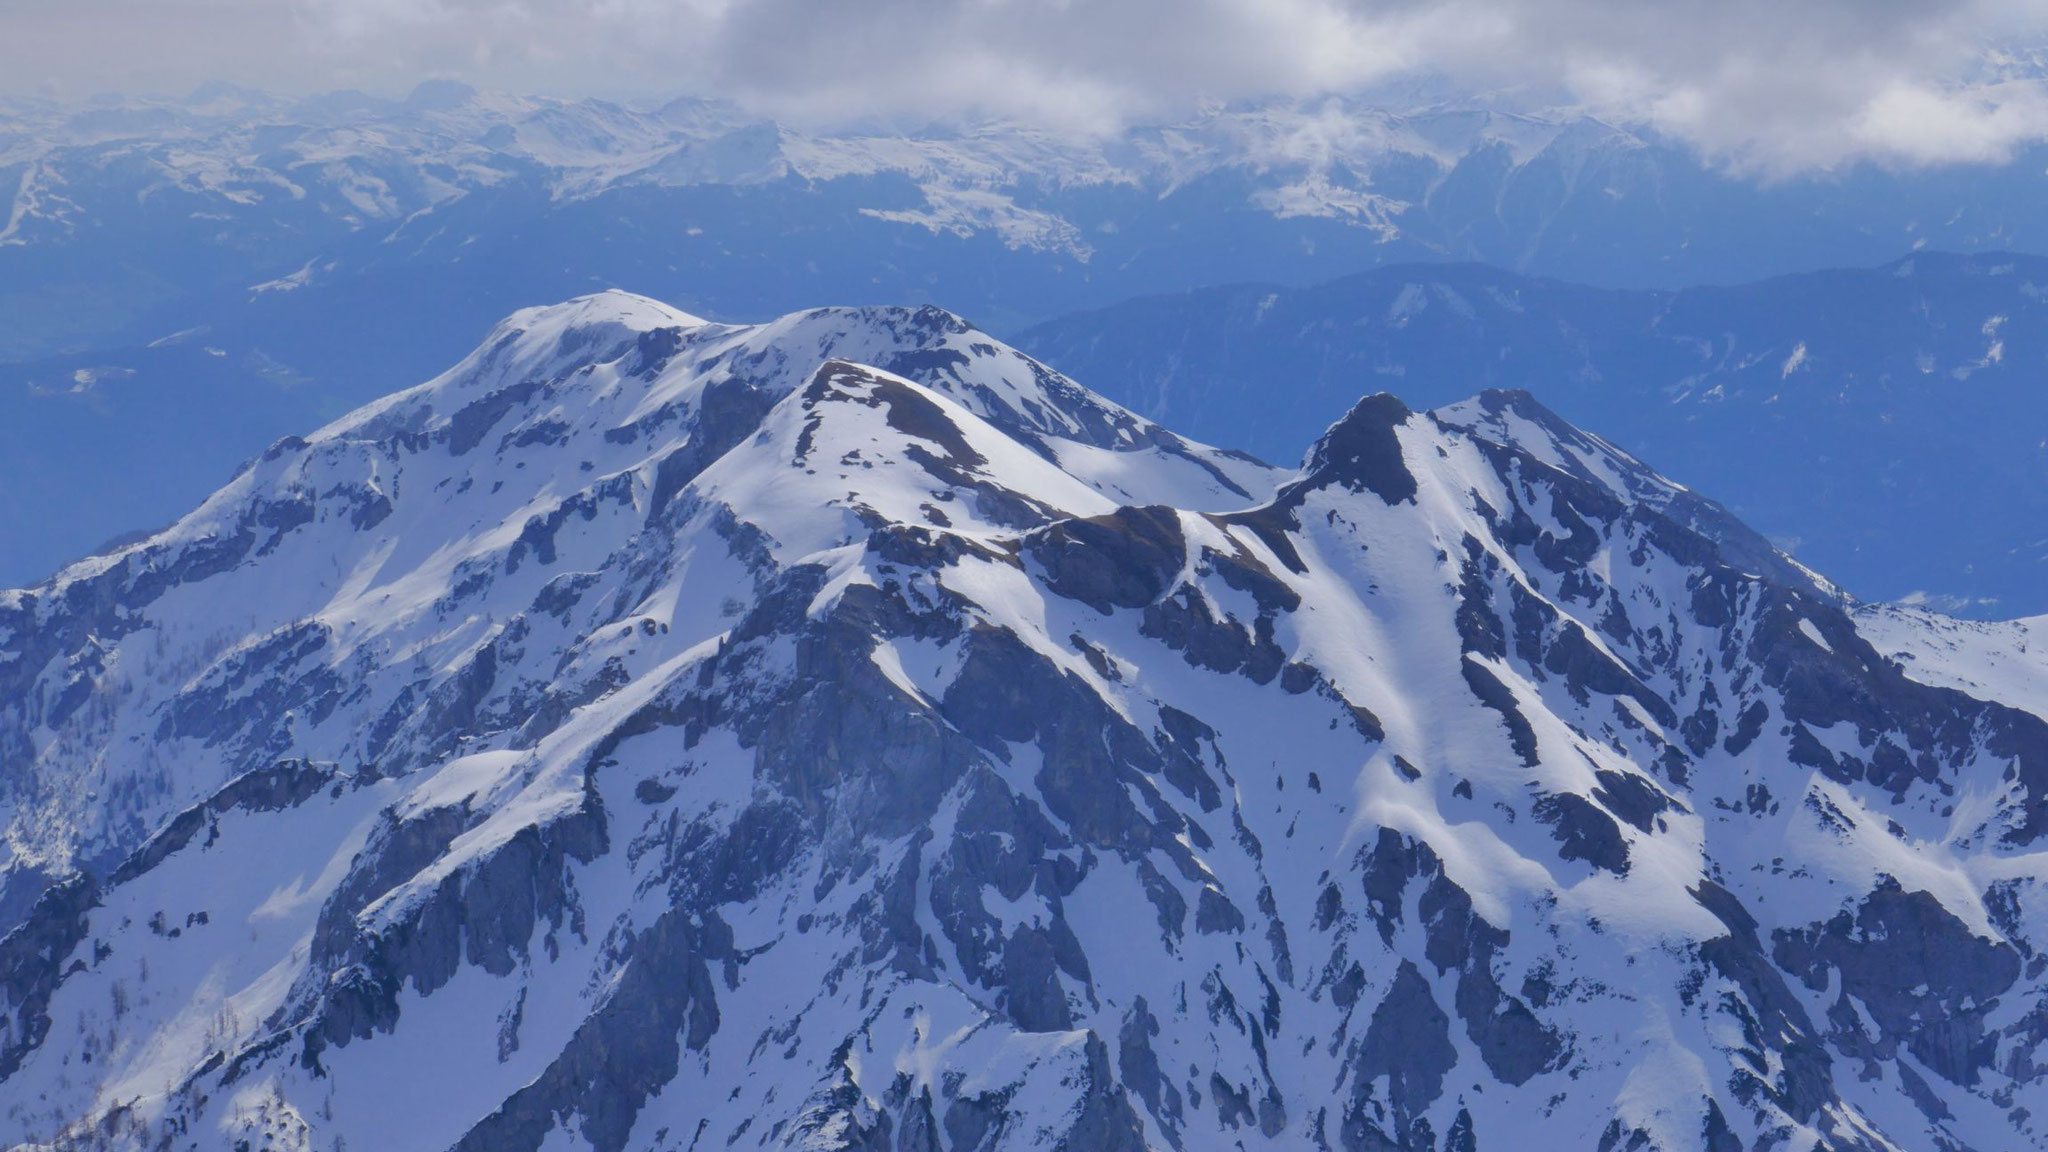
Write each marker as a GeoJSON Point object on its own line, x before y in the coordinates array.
{"type": "Point", "coordinates": [613, 307]}
{"type": "Point", "coordinates": [1513, 421]}
{"type": "Point", "coordinates": [1513, 418]}
{"type": "Point", "coordinates": [584, 329]}
{"type": "Point", "coordinates": [1362, 452]}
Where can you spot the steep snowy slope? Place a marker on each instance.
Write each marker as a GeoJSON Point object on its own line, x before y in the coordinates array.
{"type": "Point", "coordinates": [2002, 660]}
{"type": "Point", "coordinates": [847, 733]}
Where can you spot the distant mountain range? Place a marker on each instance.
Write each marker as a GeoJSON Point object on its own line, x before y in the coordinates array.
{"type": "Point", "coordinates": [847, 733]}
{"type": "Point", "coordinates": [1888, 426]}
{"type": "Point", "coordinates": [128, 220]}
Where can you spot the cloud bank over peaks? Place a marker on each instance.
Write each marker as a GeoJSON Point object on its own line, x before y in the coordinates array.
{"type": "Point", "coordinates": [1765, 86]}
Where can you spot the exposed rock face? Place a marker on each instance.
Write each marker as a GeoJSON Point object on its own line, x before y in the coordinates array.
{"type": "Point", "coordinates": [846, 733]}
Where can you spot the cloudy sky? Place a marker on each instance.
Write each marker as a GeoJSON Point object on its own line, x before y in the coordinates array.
{"type": "Point", "coordinates": [1772, 85]}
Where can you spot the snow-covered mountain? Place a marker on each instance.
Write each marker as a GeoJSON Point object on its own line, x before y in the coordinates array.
{"type": "Point", "coordinates": [848, 733]}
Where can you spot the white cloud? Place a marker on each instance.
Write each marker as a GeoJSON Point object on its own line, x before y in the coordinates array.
{"type": "Point", "coordinates": [1767, 85]}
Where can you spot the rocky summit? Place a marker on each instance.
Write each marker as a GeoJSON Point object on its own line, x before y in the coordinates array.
{"type": "Point", "coordinates": [845, 732]}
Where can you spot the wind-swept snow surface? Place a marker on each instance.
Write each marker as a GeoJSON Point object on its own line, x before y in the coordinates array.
{"type": "Point", "coordinates": [845, 732]}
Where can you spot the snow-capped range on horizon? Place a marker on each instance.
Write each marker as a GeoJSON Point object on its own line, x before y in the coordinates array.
{"type": "Point", "coordinates": [446, 140]}
{"type": "Point", "coordinates": [845, 732]}
{"type": "Point", "coordinates": [341, 184]}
